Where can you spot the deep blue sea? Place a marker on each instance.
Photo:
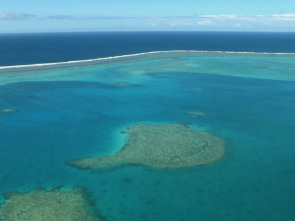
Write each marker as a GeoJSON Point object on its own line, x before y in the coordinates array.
{"type": "Point", "coordinates": [57, 47]}
{"type": "Point", "coordinates": [52, 114]}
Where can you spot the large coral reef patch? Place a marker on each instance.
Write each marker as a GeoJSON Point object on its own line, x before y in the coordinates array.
{"type": "Point", "coordinates": [160, 146]}
{"type": "Point", "coordinates": [54, 205]}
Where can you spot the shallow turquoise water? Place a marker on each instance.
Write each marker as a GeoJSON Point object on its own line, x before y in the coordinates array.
{"type": "Point", "coordinates": [72, 112]}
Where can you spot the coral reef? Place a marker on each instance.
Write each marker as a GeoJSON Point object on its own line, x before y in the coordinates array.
{"type": "Point", "coordinates": [54, 205]}
{"type": "Point", "coordinates": [160, 146]}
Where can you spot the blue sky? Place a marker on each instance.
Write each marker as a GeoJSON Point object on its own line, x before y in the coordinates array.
{"type": "Point", "coordinates": [136, 15]}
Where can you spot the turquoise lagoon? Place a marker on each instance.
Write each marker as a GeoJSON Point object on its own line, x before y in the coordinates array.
{"type": "Point", "coordinates": [51, 114]}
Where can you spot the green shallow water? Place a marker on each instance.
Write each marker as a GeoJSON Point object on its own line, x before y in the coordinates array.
{"type": "Point", "coordinates": [64, 112]}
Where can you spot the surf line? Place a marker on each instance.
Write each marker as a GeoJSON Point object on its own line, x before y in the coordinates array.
{"type": "Point", "coordinates": [134, 55]}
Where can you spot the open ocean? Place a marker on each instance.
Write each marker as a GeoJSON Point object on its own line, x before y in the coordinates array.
{"type": "Point", "coordinates": [56, 47]}
{"type": "Point", "coordinates": [52, 114]}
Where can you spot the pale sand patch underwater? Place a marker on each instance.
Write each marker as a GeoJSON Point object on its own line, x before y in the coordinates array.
{"type": "Point", "coordinates": [247, 65]}
{"type": "Point", "coordinates": [196, 89]}
{"type": "Point", "coordinates": [44, 205]}
{"type": "Point", "coordinates": [160, 146]}
{"type": "Point", "coordinates": [7, 110]}
{"type": "Point", "coordinates": [196, 113]}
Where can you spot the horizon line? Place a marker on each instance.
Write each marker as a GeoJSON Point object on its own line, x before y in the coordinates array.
{"type": "Point", "coordinates": [111, 31]}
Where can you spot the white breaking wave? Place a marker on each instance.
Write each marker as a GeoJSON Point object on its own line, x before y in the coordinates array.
{"type": "Point", "coordinates": [134, 55]}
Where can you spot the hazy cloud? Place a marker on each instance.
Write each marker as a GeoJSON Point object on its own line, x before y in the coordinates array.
{"type": "Point", "coordinates": [15, 16]}
{"type": "Point", "coordinates": [289, 17]}
{"type": "Point", "coordinates": [270, 22]}
{"type": "Point", "coordinates": [249, 17]}
{"type": "Point", "coordinates": [206, 22]}
{"type": "Point", "coordinates": [61, 17]}
{"type": "Point", "coordinates": [275, 22]}
{"type": "Point", "coordinates": [197, 22]}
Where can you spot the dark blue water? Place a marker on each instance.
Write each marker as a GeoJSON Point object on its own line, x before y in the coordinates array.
{"type": "Point", "coordinates": [56, 47]}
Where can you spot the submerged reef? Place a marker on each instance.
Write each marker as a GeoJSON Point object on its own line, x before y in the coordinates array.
{"type": "Point", "coordinates": [160, 146]}
{"type": "Point", "coordinates": [51, 205]}
{"type": "Point", "coordinates": [196, 89]}
{"type": "Point", "coordinates": [196, 113]}
{"type": "Point", "coordinates": [7, 110]}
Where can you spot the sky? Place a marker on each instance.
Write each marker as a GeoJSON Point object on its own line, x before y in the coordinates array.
{"type": "Point", "coordinates": [19, 16]}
